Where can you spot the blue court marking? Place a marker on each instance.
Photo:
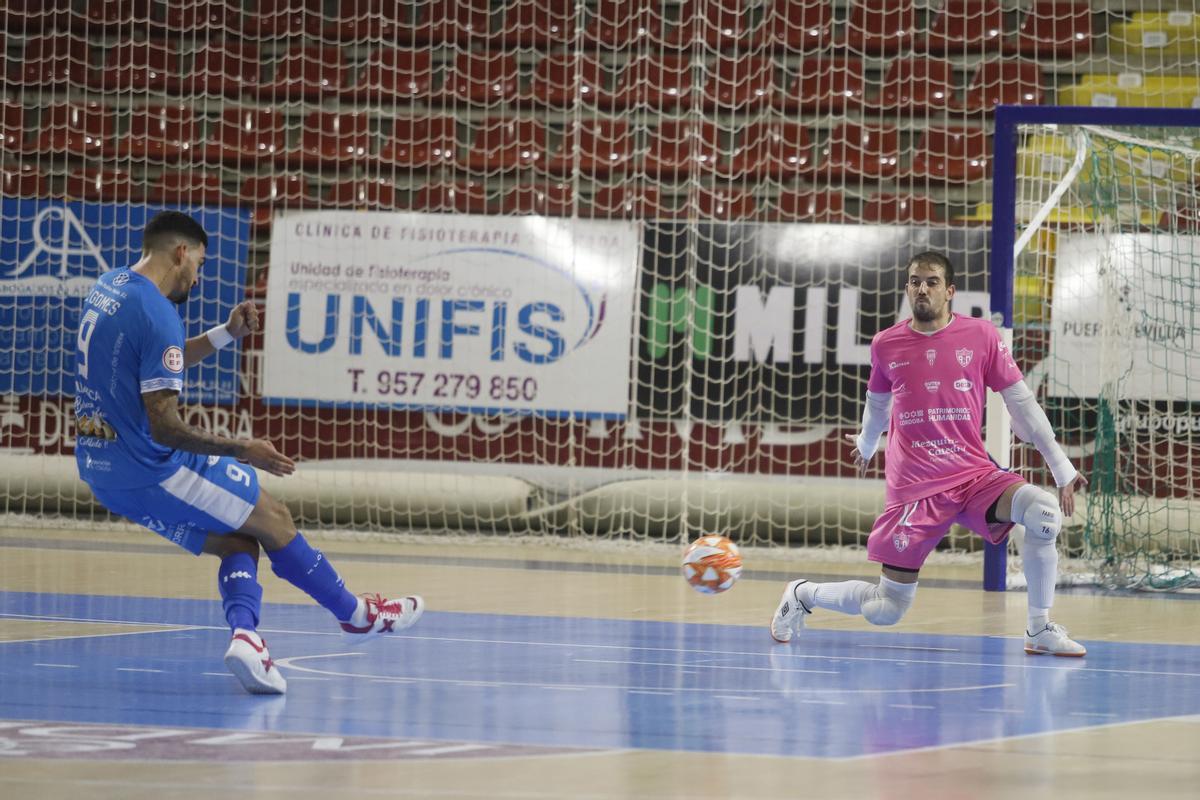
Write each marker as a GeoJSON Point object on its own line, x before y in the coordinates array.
{"type": "Point", "coordinates": [589, 683]}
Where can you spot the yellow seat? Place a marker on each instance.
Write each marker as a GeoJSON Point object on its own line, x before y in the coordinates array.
{"type": "Point", "coordinates": [1175, 33]}
{"type": "Point", "coordinates": [1132, 90]}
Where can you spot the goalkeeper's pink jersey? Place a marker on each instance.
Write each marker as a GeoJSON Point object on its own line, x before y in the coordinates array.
{"type": "Point", "coordinates": [939, 385]}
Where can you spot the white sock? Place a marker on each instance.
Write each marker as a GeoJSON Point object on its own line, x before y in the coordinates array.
{"type": "Point", "coordinates": [1038, 618]}
{"type": "Point", "coordinates": [359, 618]}
{"type": "Point", "coordinates": [846, 597]}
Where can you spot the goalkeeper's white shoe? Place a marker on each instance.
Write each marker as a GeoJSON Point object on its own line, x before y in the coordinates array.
{"type": "Point", "coordinates": [794, 606]}
{"type": "Point", "coordinates": [1053, 640]}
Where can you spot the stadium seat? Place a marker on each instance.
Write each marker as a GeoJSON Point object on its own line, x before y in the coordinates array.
{"type": "Point", "coordinates": [864, 151]}
{"type": "Point", "coordinates": [361, 21]}
{"type": "Point", "coordinates": [537, 23]}
{"type": "Point", "coordinates": [825, 84]}
{"type": "Point", "coordinates": [270, 191]}
{"type": "Point", "coordinates": [306, 73]}
{"type": "Point", "coordinates": [481, 78]}
{"type": "Point", "coordinates": [794, 205]}
{"type": "Point", "coordinates": [805, 25]}
{"type": "Point", "coordinates": [463, 197]}
{"type": "Point", "coordinates": [421, 143]}
{"type": "Point", "coordinates": [463, 22]}
{"type": "Point", "coordinates": [656, 82]}
{"type": "Point", "coordinates": [25, 17]}
{"type": "Point", "coordinates": [188, 187]}
{"type": "Point", "coordinates": [916, 85]}
{"type": "Point", "coordinates": [880, 27]}
{"type": "Point", "coordinates": [102, 185]}
{"type": "Point", "coordinates": [82, 129]}
{"type": "Point", "coordinates": [377, 193]}
{"type": "Point", "coordinates": [23, 180]}
{"type": "Point", "coordinates": [212, 16]}
{"type": "Point", "coordinates": [740, 83]}
{"type": "Point", "coordinates": [724, 203]}
{"type": "Point", "coordinates": [632, 24]}
{"type": "Point", "coordinates": [1156, 34]}
{"type": "Point", "coordinates": [545, 200]}
{"type": "Point", "coordinates": [776, 149]}
{"type": "Point", "coordinates": [247, 136]}
{"type": "Point", "coordinates": [1008, 82]}
{"type": "Point", "coordinates": [564, 79]}
{"type": "Point", "coordinates": [229, 69]}
{"type": "Point", "coordinates": [965, 26]}
{"type": "Point", "coordinates": [332, 139]}
{"type": "Point", "coordinates": [504, 143]}
{"type": "Point", "coordinates": [1185, 217]}
{"type": "Point", "coordinates": [620, 201]}
{"type": "Point", "coordinates": [891, 209]}
{"type": "Point", "coordinates": [51, 61]}
{"type": "Point", "coordinates": [12, 126]}
{"type": "Point", "coordinates": [395, 74]}
{"type": "Point", "coordinates": [719, 24]}
{"type": "Point", "coordinates": [157, 134]}
{"type": "Point", "coordinates": [596, 147]}
{"type": "Point", "coordinates": [279, 18]}
{"type": "Point", "coordinates": [1150, 91]}
{"type": "Point", "coordinates": [677, 147]}
{"type": "Point", "coordinates": [1055, 28]}
{"type": "Point", "coordinates": [112, 17]}
{"type": "Point", "coordinates": [954, 155]}
{"type": "Point", "coordinates": [137, 66]}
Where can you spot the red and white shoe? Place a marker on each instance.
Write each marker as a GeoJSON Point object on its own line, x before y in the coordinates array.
{"type": "Point", "coordinates": [379, 615]}
{"type": "Point", "coordinates": [248, 659]}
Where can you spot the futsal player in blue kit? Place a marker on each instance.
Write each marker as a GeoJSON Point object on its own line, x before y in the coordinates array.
{"type": "Point", "coordinates": [197, 489]}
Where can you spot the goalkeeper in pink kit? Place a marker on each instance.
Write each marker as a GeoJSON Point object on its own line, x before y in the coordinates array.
{"type": "Point", "coordinates": [929, 380]}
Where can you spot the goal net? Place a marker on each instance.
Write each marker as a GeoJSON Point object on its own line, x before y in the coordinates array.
{"type": "Point", "coordinates": [1107, 291]}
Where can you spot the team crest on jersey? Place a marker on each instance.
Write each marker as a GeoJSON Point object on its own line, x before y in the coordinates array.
{"type": "Point", "coordinates": [931, 356]}
{"type": "Point", "coordinates": [173, 359]}
{"type": "Point", "coordinates": [900, 541]}
{"type": "Point", "coordinates": [932, 386]}
{"type": "Point", "coordinates": [964, 356]}
{"type": "Point", "coordinates": [121, 279]}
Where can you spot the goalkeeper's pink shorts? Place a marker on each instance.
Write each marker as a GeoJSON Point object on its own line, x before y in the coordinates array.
{"type": "Point", "coordinates": [906, 533]}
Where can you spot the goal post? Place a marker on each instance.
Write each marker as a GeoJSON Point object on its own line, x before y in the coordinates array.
{"type": "Point", "coordinates": [1093, 268]}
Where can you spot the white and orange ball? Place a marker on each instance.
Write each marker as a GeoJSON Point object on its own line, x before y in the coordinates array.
{"type": "Point", "coordinates": [712, 564]}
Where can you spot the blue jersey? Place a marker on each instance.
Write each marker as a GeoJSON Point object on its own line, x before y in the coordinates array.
{"type": "Point", "coordinates": [130, 341]}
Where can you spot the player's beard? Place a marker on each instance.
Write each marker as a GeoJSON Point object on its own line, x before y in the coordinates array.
{"type": "Point", "coordinates": [923, 312]}
{"type": "Point", "coordinates": [180, 296]}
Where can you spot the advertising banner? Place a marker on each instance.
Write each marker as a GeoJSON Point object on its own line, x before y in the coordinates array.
{"type": "Point", "coordinates": [456, 313]}
{"type": "Point", "coordinates": [51, 253]}
{"type": "Point", "coordinates": [1123, 314]}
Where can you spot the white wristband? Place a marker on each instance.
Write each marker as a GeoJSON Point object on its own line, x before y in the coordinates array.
{"type": "Point", "coordinates": [219, 336]}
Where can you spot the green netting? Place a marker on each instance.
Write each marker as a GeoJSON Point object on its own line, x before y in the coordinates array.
{"type": "Point", "coordinates": [1108, 313]}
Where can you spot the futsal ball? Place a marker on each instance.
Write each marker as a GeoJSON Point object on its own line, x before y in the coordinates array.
{"type": "Point", "coordinates": [712, 564]}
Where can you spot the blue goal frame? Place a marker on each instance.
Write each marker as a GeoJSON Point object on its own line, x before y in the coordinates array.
{"type": "Point", "coordinates": [1004, 222]}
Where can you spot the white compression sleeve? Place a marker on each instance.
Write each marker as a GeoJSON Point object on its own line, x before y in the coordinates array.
{"type": "Point", "coordinates": [1030, 424]}
{"type": "Point", "coordinates": [874, 422]}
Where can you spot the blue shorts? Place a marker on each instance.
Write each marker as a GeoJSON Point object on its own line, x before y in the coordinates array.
{"type": "Point", "coordinates": [213, 494]}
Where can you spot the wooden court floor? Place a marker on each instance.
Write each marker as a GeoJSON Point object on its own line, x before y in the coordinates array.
{"type": "Point", "coordinates": [550, 672]}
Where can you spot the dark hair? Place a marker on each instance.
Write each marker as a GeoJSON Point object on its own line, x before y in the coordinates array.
{"type": "Point", "coordinates": [929, 260]}
{"type": "Point", "coordinates": [169, 225]}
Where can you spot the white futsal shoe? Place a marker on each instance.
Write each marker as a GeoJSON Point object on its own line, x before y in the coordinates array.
{"type": "Point", "coordinates": [248, 659]}
{"type": "Point", "coordinates": [376, 615]}
{"type": "Point", "coordinates": [1053, 640]}
{"type": "Point", "coordinates": [794, 606]}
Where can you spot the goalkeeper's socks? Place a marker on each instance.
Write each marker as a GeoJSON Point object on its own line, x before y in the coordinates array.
{"type": "Point", "coordinates": [308, 570]}
{"type": "Point", "coordinates": [241, 595]}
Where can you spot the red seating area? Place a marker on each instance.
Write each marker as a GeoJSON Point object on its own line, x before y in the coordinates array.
{"type": "Point", "coordinates": [731, 108]}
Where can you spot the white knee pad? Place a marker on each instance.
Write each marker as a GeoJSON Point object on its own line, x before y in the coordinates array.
{"type": "Point", "coordinates": [891, 602]}
{"type": "Point", "coordinates": [1038, 511]}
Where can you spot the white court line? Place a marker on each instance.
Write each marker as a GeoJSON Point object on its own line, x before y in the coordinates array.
{"type": "Point", "coordinates": [907, 705]}
{"type": "Point", "coordinates": [734, 697]}
{"type": "Point", "coordinates": [290, 664]}
{"type": "Point", "coordinates": [624, 647]}
{"type": "Point", "coordinates": [910, 647]}
{"type": "Point", "coordinates": [649, 691]}
{"type": "Point", "coordinates": [1089, 714]}
{"type": "Point", "coordinates": [57, 666]}
{"type": "Point", "coordinates": [825, 702]}
{"type": "Point", "coordinates": [562, 688]}
{"type": "Point", "coordinates": [1002, 710]}
{"type": "Point", "coordinates": [711, 666]}
{"type": "Point", "coordinates": [136, 669]}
